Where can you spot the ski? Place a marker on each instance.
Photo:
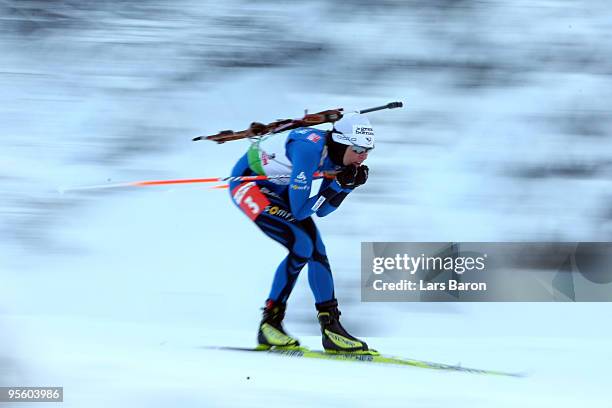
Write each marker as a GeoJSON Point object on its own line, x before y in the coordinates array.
{"type": "Point", "coordinates": [367, 358]}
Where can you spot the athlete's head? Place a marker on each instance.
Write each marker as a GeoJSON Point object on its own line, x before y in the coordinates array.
{"type": "Point", "coordinates": [351, 139]}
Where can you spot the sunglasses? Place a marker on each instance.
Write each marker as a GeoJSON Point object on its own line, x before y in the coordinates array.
{"type": "Point", "coordinates": [359, 149]}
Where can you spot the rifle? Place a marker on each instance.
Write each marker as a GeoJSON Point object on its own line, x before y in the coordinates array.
{"type": "Point", "coordinates": [281, 125]}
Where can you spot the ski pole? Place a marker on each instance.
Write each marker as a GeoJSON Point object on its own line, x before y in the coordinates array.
{"type": "Point", "coordinates": [147, 183]}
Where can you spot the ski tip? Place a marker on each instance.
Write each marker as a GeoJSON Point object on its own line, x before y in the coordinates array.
{"type": "Point", "coordinates": [520, 374]}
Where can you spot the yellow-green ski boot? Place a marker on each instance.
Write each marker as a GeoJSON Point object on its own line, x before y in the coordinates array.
{"type": "Point", "coordinates": [335, 338]}
{"type": "Point", "coordinates": [271, 332]}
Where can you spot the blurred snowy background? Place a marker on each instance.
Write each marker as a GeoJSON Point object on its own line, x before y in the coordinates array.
{"type": "Point", "coordinates": [505, 136]}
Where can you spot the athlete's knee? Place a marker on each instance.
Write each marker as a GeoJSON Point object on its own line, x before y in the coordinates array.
{"type": "Point", "coordinates": [319, 254]}
{"type": "Point", "coordinates": [320, 258]}
{"type": "Point", "coordinates": [303, 247]}
{"type": "Point", "coordinates": [296, 262]}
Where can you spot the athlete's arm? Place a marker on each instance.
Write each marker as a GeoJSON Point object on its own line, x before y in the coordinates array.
{"type": "Point", "coordinates": [305, 158]}
{"type": "Point", "coordinates": [334, 200]}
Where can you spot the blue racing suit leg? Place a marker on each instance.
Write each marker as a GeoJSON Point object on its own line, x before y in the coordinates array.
{"type": "Point", "coordinates": [300, 237]}
{"type": "Point", "coordinates": [319, 271]}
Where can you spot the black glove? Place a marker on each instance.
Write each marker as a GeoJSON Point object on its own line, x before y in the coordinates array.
{"type": "Point", "coordinates": [352, 176]}
{"type": "Point", "coordinates": [346, 176]}
{"type": "Point", "coordinates": [362, 175]}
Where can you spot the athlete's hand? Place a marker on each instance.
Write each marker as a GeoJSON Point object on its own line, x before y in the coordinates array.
{"type": "Point", "coordinates": [362, 175]}
{"type": "Point", "coordinates": [347, 176]}
{"type": "Point", "coordinates": [352, 176]}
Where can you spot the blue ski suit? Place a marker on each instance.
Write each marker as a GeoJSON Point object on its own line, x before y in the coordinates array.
{"type": "Point", "coordinates": [283, 211]}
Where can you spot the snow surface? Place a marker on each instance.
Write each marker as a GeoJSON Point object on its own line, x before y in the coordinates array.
{"type": "Point", "coordinates": [115, 294]}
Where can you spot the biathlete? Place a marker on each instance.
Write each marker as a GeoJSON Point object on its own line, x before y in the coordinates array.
{"type": "Point", "coordinates": [283, 210]}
